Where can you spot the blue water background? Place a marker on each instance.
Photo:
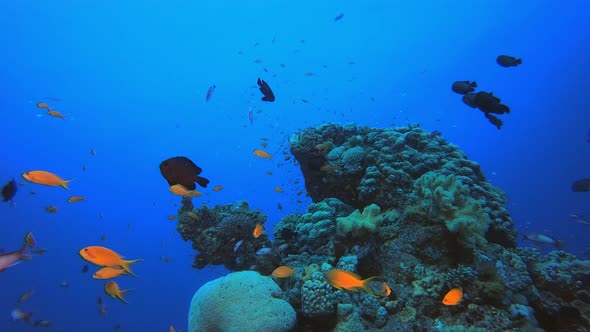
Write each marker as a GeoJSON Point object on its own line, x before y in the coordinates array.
{"type": "Point", "coordinates": [131, 78]}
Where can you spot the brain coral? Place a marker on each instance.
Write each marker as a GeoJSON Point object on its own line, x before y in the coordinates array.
{"type": "Point", "coordinates": [240, 301]}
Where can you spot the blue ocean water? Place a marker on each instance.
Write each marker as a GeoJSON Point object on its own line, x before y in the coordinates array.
{"type": "Point", "coordinates": [131, 77]}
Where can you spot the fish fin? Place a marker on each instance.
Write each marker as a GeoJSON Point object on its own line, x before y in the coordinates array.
{"type": "Point", "coordinates": [473, 84]}
{"type": "Point", "coordinates": [121, 293]}
{"type": "Point", "coordinates": [518, 61]}
{"type": "Point", "coordinates": [202, 181]}
{"type": "Point", "coordinates": [125, 272]}
{"type": "Point", "coordinates": [29, 240]}
{"type": "Point", "coordinates": [127, 265]}
{"type": "Point", "coordinates": [13, 264]}
{"type": "Point", "coordinates": [367, 286]}
{"type": "Point", "coordinates": [65, 184]}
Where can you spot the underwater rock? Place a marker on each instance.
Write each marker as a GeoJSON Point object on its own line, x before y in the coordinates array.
{"type": "Point", "coordinates": [240, 301]}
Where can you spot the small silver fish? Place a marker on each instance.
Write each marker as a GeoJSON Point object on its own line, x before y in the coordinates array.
{"type": "Point", "coordinates": [282, 247]}
{"type": "Point", "coordinates": [544, 239]}
{"type": "Point", "coordinates": [263, 251]}
{"type": "Point", "coordinates": [238, 244]}
{"type": "Point", "coordinates": [580, 219]}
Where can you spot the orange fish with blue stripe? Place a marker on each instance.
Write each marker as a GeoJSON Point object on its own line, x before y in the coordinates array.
{"type": "Point", "coordinates": [341, 279]}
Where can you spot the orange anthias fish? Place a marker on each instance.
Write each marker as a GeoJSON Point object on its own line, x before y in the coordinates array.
{"type": "Point", "coordinates": [56, 114]}
{"type": "Point", "coordinates": [12, 258]}
{"type": "Point", "coordinates": [25, 296]}
{"type": "Point", "coordinates": [283, 272]}
{"type": "Point", "coordinates": [181, 190]}
{"type": "Point", "coordinates": [45, 178]}
{"type": "Point", "coordinates": [262, 154]}
{"type": "Point", "coordinates": [217, 188]}
{"type": "Point", "coordinates": [109, 273]}
{"type": "Point", "coordinates": [42, 105]}
{"type": "Point", "coordinates": [351, 281]}
{"type": "Point", "coordinates": [258, 230]}
{"type": "Point", "coordinates": [74, 199]}
{"type": "Point", "coordinates": [106, 257]}
{"type": "Point", "coordinates": [112, 289]}
{"type": "Point", "coordinates": [279, 190]}
{"type": "Point", "coordinates": [453, 297]}
{"type": "Point", "coordinates": [51, 209]}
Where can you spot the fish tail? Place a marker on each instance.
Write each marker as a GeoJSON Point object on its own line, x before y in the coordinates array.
{"type": "Point", "coordinates": [127, 266]}
{"type": "Point", "coordinates": [29, 240]}
{"type": "Point", "coordinates": [64, 184]}
{"type": "Point", "coordinates": [121, 293]}
{"type": "Point", "coordinates": [129, 273]}
{"type": "Point", "coordinates": [367, 285]}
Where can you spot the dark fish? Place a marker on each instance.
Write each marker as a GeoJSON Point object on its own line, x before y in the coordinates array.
{"type": "Point", "coordinates": [181, 170]}
{"type": "Point", "coordinates": [210, 92]}
{"type": "Point", "coordinates": [469, 100]}
{"type": "Point", "coordinates": [338, 17]}
{"type": "Point", "coordinates": [85, 268]}
{"type": "Point", "coordinates": [463, 87]}
{"type": "Point", "coordinates": [266, 91]}
{"type": "Point", "coordinates": [8, 191]}
{"type": "Point", "coordinates": [489, 103]}
{"type": "Point", "coordinates": [508, 61]}
{"type": "Point", "coordinates": [581, 185]}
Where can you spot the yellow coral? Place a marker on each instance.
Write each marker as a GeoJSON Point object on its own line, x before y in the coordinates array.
{"type": "Point", "coordinates": [451, 201]}
{"type": "Point", "coordinates": [407, 314]}
{"type": "Point", "coordinates": [357, 224]}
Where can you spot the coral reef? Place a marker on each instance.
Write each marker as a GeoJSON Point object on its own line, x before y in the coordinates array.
{"type": "Point", "coordinates": [405, 205]}
{"type": "Point", "coordinates": [215, 233]}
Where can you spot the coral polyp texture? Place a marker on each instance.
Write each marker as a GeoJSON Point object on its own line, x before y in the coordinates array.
{"type": "Point", "coordinates": [407, 206]}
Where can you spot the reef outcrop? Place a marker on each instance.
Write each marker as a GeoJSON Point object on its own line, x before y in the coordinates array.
{"type": "Point", "coordinates": [406, 205]}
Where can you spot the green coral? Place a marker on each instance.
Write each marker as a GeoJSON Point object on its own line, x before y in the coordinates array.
{"type": "Point", "coordinates": [451, 201]}
{"type": "Point", "coordinates": [407, 314]}
{"type": "Point", "coordinates": [359, 224]}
